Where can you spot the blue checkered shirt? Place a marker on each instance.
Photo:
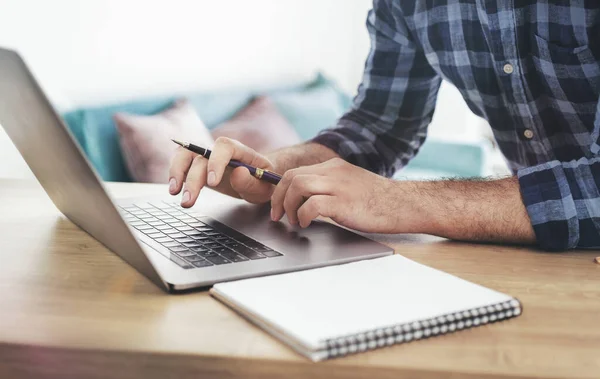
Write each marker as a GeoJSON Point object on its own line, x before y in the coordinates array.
{"type": "Point", "coordinates": [530, 68]}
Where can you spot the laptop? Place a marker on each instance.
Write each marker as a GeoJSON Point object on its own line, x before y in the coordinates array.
{"type": "Point", "coordinates": [219, 239]}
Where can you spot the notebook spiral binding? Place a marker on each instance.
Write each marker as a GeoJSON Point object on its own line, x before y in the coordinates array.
{"type": "Point", "coordinates": [396, 334]}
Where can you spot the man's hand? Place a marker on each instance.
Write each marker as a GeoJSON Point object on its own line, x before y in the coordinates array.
{"type": "Point", "coordinates": [474, 210]}
{"type": "Point", "coordinates": [350, 195]}
{"type": "Point", "coordinates": [192, 172]}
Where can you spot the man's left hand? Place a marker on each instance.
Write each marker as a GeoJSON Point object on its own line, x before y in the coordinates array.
{"type": "Point", "coordinates": [349, 195]}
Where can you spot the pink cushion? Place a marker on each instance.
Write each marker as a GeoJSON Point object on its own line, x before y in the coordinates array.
{"type": "Point", "coordinates": [259, 126]}
{"type": "Point", "coordinates": [146, 140]}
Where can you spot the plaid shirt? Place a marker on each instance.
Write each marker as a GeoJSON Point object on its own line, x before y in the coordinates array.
{"type": "Point", "coordinates": [530, 68]}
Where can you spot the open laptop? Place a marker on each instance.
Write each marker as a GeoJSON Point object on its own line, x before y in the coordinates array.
{"type": "Point", "coordinates": [220, 239]}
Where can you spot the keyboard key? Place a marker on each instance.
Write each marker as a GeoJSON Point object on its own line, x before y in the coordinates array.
{"type": "Point", "coordinates": [137, 223]}
{"type": "Point", "coordinates": [144, 205]}
{"type": "Point", "coordinates": [199, 249]}
{"type": "Point", "coordinates": [201, 238]}
{"type": "Point", "coordinates": [144, 227]}
{"type": "Point", "coordinates": [191, 244]}
{"type": "Point", "coordinates": [177, 224]}
{"type": "Point", "coordinates": [181, 262]}
{"type": "Point", "coordinates": [233, 256]}
{"type": "Point", "coordinates": [170, 244]}
{"type": "Point", "coordinates": [187, 219]}
{"type": "Point", "coordinates": [212, 245]}
{"type": "Point", "coordinates": [156, 223]}
{"type": "Point", "coordinates": [176, 235]}
{"type": "Point", "coordinates": [193, 258]}
{"type": "Point", "coordinates": [262, 249]}
{"type": "Point", "coordinates": [185, 229]}
{"type": "Point", "coordinates": [161, 205]}
{"type": "Point", "coordinates": [186, 254]}
{"type": "Point", "coordinates": [255, 245]}
{"type": "Point", "coordinates": [218, 260]}
{"type": "Point", "coordinates": [271, 253]}
{"type": "Point", "coordinates": [194, 233]}
{"type": "Point", "coordinates": [247, 252]}
{"type": "Point", "coordinates": [197, 224]}
{"type": "Point", "coordinates": [236, 258]}
{"type": "Point", "coordinates": [163, 240]}
{"type": "Point", "coordinates": [183, 239]}
{"type": "Point", "coordinates": [150, 231]}
{"type": "Point", "coordinates": [154, 236]}
{"type": "Point", "coordinates": [179, 249]}
{"type": "Point", "coordinates": [202, 263]}
{"type": "Point", "coordinates": [206, 253]}
{"type": "Point", "coordinates": [222, 250]}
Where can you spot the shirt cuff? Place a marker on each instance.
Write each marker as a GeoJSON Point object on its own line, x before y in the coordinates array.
{"type": "Point", "coordinates": [547, 196]}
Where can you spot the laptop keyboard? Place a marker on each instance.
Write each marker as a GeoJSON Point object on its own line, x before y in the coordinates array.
{"type": "Point", "coordinates": [190, 240]}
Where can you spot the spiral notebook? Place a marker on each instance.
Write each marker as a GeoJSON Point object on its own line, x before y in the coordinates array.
{"type": "Point", "coordinates": [338, 310]}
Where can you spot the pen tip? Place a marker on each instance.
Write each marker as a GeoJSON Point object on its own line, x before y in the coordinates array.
{"type": "Point", "coordinates": [177, 142]}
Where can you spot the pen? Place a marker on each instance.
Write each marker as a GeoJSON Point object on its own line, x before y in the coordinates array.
{"type": "Point", "coordinates": [258, 173]}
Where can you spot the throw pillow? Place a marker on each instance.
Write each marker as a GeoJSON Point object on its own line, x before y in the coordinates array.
{"type": "Point", "coordinates": [146, 140]}
{"type": "Point", "coordinates": [260, 126]}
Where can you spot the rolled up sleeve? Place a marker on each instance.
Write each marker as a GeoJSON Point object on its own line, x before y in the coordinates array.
{"type": "Point", "coordinates": [395, 102]}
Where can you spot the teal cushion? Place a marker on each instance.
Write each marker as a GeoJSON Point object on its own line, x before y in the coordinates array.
{"type": "Point", "coordinates": [314, 108]}
{"type": "Point", "coordinates": [445, 159]}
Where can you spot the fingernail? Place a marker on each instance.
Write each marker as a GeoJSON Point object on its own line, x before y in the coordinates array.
{"type": "Point", "coordinates": [212, 178]}
{"type": "Point", "coordinates": [186, 197]}
{"type": "Point", "coordinates": [273, 214]}
{"type": "Point", "coordinates": [172, 185]}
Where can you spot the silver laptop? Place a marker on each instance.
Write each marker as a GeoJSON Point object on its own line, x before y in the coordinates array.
{"type": "Point", "coordinates": [219, 239]}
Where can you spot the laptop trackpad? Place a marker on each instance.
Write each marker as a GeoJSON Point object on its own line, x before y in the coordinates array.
{"type": "Point", "coordinates": [255, 221]}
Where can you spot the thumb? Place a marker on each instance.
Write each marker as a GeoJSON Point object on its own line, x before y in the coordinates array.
{"type": "Point", "coordinates": [249, 188]}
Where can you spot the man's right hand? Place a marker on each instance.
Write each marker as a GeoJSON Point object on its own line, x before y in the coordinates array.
{"type": "Point", "coordinates": [192, 172]}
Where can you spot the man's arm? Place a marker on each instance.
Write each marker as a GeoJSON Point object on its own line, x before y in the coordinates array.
{"type": "Point", "coordinates": [556, 204]}
{"type": "Point", "coordinates": [468, 210]}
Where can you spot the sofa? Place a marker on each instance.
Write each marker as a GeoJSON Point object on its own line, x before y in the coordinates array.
{"type": "Point", "coordinates": [308, 107]}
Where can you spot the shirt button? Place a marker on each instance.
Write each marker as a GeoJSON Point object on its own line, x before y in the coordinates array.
{"type": "Point", "coordinates": [528, 134]}
{"type": "Point", "coordinates": [508, 68]}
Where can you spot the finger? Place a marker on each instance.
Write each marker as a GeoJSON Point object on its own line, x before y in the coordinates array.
{"type": "Point", "coordinates": [249, 188]}
{"type": "Point", "coordinates": [302, 188]}
{"type": "Point", "coordinates": [277, 210]}
{"type": "Point", "coordinates": [194, 181]}
{"type": "Point", "coordinates": [315, 206]}
{"type": "Point", "coordinates": [180, 164]}
{"type": "Point", "coordinates": [226, 149]}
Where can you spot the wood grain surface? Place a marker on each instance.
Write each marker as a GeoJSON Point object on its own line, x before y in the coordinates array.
{"type": "Point", "coordinates": [69, 308]}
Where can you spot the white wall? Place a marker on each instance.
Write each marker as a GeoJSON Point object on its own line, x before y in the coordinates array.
{"type": "Point", "coordinates": [94, 51]}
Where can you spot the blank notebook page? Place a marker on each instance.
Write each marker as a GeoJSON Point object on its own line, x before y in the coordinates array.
{"type": "Point", "coordinates": [315, 305]}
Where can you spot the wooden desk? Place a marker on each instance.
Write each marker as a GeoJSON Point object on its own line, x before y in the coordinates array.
{"type": "Point", "coordinates": [71, 309]}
